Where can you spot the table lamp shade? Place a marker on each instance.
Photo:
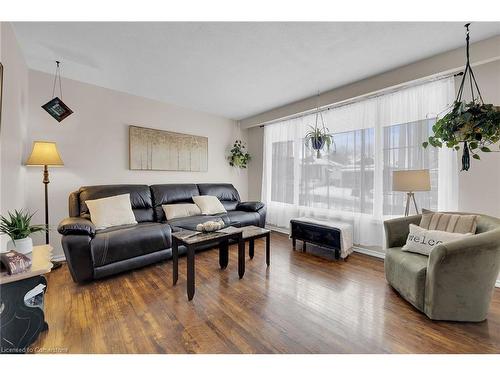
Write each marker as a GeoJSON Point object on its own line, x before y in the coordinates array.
{"type": "Point", "coordinates": [413, 180]}
{"type": "Point", "coordinates": [44, 153]}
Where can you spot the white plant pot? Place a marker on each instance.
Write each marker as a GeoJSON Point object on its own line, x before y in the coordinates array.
{"type": "Point", "coordinates": [23, 246]}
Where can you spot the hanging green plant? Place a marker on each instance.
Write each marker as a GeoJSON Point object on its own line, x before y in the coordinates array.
{"type": "Point", "coordinates": [475, 125]}
{"type": "Point", "coordinates": [317, 138]}
{"type": "Point", "coordinates": [238, 157]}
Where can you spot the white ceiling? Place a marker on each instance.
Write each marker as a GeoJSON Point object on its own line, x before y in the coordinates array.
{"type": "Point", "coordinates": [234, 69]}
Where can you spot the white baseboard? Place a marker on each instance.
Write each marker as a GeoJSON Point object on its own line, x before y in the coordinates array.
{"type": "Point", "coordinates": [60, 258]}
{"type": "Point", "coordinates": [497, 284]}
{"type": "Point", "coordinates": [372, 253]}
{"type": "Point", "coordinates": [277, 229]}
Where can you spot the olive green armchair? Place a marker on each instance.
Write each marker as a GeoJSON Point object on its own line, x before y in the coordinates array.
{"type": "Point", "coordinates": [456, 282]}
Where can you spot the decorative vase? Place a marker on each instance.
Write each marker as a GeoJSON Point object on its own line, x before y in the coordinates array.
{"type": "Point", "coordinates": [23, 246]}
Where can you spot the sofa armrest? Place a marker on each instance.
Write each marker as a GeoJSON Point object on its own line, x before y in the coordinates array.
{"type": "Point", "coordinates": [461, 277]}
{"type": "Point", "coordinates": [250, 206]}
{"type": "Point", "coordinates": [76, 225]}
{"type": "Point", "coordinates": [79, 257]}
{"type": "Point", "coordinates": [397, 230]}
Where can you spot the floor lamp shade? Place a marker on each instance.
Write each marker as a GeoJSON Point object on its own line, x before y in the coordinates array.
{"type": "Point", "coordinates": [45, 154]}
{"type": "Point", "coordinates": [409, 182]}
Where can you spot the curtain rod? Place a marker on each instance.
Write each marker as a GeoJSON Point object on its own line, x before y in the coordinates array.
{"type": "Point", "coordinates": [360, 98]}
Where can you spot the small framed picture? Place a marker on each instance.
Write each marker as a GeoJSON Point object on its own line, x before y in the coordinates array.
{"type": "Point", "coordinates": [57, 109]}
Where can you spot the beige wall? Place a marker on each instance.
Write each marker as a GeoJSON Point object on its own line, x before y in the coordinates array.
{"type": "Point", "coordinates": [479, 188]}
{"type": "Point", "coordinates": [255, 146]}
{"type": "Point", "coordinates": [14, 124]}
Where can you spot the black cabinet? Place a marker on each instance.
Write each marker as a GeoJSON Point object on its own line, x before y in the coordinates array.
{"type": "Point", "coordinates": [21, 321]}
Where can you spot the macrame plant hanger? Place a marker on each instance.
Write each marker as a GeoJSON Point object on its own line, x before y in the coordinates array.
{"type": "Point", "coordinates": [473, 83]}
{"type": "Point", "coordinates": [319, 114]}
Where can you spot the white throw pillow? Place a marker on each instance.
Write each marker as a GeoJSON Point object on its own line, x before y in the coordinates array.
{"type": "Point", "coordinates": [209, 205]}
{"type": "Point", "coordinates": [173, 211]}
{"type": "Point", "coordinates": [422, 241]}
{"type": "Point", "coordinates": [111, 211]}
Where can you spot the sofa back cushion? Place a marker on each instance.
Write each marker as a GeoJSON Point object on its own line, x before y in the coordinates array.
{"type": "Point", "coordinates": [140, 198]}
{"type": "Point", "coordinates": [74, 204]}
{"type": "Point", "coordinates": [171, 194]}
{"type": "Point", "coordinates": [226, 193]}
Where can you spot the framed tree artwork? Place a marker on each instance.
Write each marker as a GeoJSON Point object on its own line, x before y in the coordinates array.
{"type": "Point", "coordinates": [160, 150]}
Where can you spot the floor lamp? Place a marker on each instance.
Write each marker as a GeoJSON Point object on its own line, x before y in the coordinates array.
{"type": "Point", "coordinates": [45, 154]}
{"type": "Point", "coordinates": [409, 182]}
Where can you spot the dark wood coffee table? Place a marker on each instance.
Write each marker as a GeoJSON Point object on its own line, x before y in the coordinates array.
{"type": "Point", "coordinates": [250, 234]}
{"type": "Point", "coordinates": [195, 240]}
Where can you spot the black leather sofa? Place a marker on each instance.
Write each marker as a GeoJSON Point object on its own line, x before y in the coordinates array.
{"type": "Point", "coordinates": [93, 254]}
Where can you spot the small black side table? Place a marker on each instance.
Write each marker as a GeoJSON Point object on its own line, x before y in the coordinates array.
{"type": "Point", "coordinates": [196, 240]}
{"type": "Point", "coordinates": [20, 324]}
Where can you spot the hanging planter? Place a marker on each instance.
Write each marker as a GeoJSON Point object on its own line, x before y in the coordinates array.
{"type": "Point", "coordinates": [238, 156]}
{"type": "Point", "coordinates": [475, 125]}
{"type": "Point", "coordinates": [317, 138]}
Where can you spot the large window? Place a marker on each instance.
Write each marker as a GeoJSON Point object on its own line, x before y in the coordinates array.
{"type": "Point", "coordinates": [402, 147]}
{"type": "Point", "coordinates": [353, 180]}
{"type": "Point", "coordinates": [342, 179]}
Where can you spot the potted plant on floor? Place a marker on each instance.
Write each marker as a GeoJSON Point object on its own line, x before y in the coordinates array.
{"type": "Point", "coordinates": [18, 227]}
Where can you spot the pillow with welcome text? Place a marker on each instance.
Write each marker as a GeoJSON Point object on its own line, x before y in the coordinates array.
{"type": "Point", "coordinates": [422, 241]}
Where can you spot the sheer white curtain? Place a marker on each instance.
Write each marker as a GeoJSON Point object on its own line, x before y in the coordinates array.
{"type": "Point", "coordinates": [352, 182]}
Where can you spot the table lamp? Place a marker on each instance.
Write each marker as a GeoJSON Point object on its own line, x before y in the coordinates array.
{"type": "Point", "coordinates": [45, 154]}
{"type": "Point", "coordinates": [409, 182]}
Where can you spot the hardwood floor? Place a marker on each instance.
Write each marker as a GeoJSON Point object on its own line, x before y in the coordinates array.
{"type": "Point", "coordinates": [301, 304]}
